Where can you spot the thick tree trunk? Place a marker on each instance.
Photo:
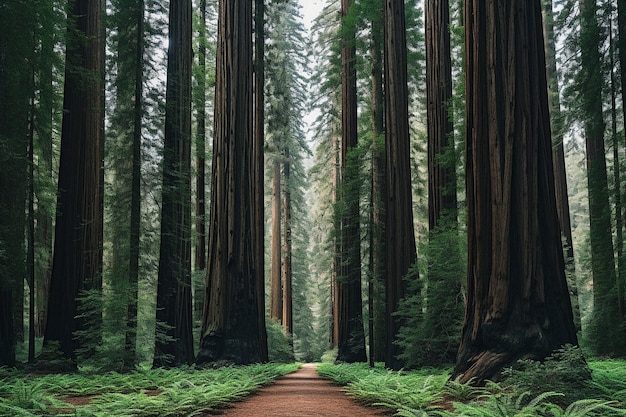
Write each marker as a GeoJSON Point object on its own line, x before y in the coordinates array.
{"type": "Point", "coordinates": [376, 291]}
{"type": "Point", "coordinates": [276, 289]}
{"type": "Point", "coordinates": [77, 262]}
{"type": "Point", "coordinates": [518, 305]}
{"type": "Point", "coordinates": [351, 336]}
{"type": "Point", "coordinates": [231, 328]}
{"type": "Point", "coordinates": [443, 308]}
{"type": "Point", "coordinates": [174, 286]}
{"type": "Point", "coordinates": [259, 163]}
{"type": "Point", "coordinates": [399, 230]}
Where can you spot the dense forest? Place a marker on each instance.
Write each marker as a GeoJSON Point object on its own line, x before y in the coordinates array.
{"type": "Point", "coordinates": [420, 183]}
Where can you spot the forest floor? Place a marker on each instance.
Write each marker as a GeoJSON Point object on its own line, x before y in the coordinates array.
{"type": "Point", "coordinates": [303, 393]}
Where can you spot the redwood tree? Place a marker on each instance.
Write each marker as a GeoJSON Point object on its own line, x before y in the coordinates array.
{"type": "Point", "coordinates": [399, 230]}
{"type": "Point", "coordinates": [351, 336]}
{"type": "Point", "coordinates": [174, 286]}
{"type": "Point", "coordinates": [77, 261]}
{"type": "Point", "coordinates": [518, 305]}
{"type": "Point", "coordinates": [233, 308]}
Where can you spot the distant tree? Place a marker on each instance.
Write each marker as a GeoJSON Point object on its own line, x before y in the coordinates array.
{"type": "Point", "coordinates": [124, 153]}
{"type": "Point", "coordinates": [77, 261]}
{"type": "Point", "coordinates": [621, 46]}
{"type": "Point", "coordinates": [518, 305]}
{"type": "Point", "coordinates": [174, 307]}
{"type": "Point", "coordinates": [604, 336]}
{"type": "Point", "coordinates": [399, 231]}
{"type": "Point", "coordinates": [201, 136]}
{"type": "Point", "coordinates": [231, 327]}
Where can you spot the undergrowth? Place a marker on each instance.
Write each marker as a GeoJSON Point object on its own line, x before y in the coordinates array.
{"type": "Point", "coordinates": [157, 392]}
{"type": "Point", "coordinates": [554, 388]}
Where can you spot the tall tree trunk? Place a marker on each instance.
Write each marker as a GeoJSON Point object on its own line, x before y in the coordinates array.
{"type": "Point", "coordinates": [258, 147]}
{"type": "Point", "coordinates": [174, 286]}
{"type": "Point", "coordinates": [276, 290]}
{"type": "Point", "coordinates": [351, 336]}
{"type": "Point", "coordinates": [77, 261]}
{"type": "Point", "coordinates": [135, 192]}
{"type": "Point", "coordinates": [518, 305]}
{"type": "Point", "coordinates": [200, 264]}
{"type": "Point", "coordinates": [558, 155]}
{"type": "Point", "coordinates": [443, 309]}
{"type": "Point", "coordinates": [604, 335]}
{"type": "Point", "coordinates": [621, 45]}
{"type": "Point", "coordinates": [287, 251]}
{"type": "Point", "coordinates": [231, 327]}
{"type": "Point", "coordinates": [399, 229]}
{"type": "Point", "coordinates": [619, 220]}
{"type": "Point", "coordinates": [44, 121]}
{"type": "Point", "coordinates": [376, 291]}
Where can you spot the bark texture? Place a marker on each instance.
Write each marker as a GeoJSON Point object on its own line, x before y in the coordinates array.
{"type": "Point", "coordinates": [399, 230]}
{"type": "Point", "coordinates": [351, 336]}
{"type": "Point", "coordinates": [174, 307]}
{"type": "Point", "coordinates": [518, 304]}
{"type": "Point", "coordinates": [231, 329]}
{"type": "Point", "coordinates": [77, 261]}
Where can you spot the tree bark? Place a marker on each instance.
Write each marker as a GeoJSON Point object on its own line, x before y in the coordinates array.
{"type": "Point", "coordinates": [201, 248]}
{"type": "Point", "coordinates": [558, 154]}
{"type": "Point", "coordinates": [399, 230]}
{"type": "Point", "coordinates": [621, 45]}
{"type": "Point", "coordinates": [287, 251]}
{"type": "Point", "coordinates": [231, 329]}
{"type": "Point", "coordinates": [604, 335]}
{"type": "Point", "coordinates": [174, 307]}
{"type": "Point", "coordinates": [518, 305]}
{"type": "Point", "coordinates": [376, 291]}
{"type": "Point", "coordinates": [351, 336]}
{"type": "Point", "coordinates": [77, 261]}
{"type": "Point", "coordinates": [259, 164]}
{"type": "Point", "coordinates": [276, 289]}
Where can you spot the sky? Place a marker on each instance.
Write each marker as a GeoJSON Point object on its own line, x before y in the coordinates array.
{"type": "Point", "coordinates": [310, 9]}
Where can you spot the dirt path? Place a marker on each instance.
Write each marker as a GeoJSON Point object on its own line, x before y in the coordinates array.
{"type": "Point", "coordinates": [303, 393]}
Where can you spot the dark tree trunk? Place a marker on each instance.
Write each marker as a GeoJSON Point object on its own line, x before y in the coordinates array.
{"type": "Point", "coordinates": [135, 191]}
{"type": "Point", "coordinates": [518, 305]}
{"type": "Point", "coordinates": [259, 165]}
{"type": "Point", "coordinates": [201, 247]}
{"type": "Point", "coordinates": [174, 286]}
{"type": "Point", "coordinates": [231, 327]}
{"type": "Point", "coordinates": [558, 155]}
{"type": "Point", "coordinates": [77, 262]}
{"type": "Point", "coordinates": [604, 336]}
{"type": "Point", "coordinates": [376, 291]}
{"type": "Point", "coordinates": [287, 252]}
{"type": "Point", "coordinates": [276, 289]}
{"type": "Point", "coordinates": [351, 336]}
{"type": "Point", "coordinates": [443, 309]}
{"type": "Point", "coordinates": [621, 45]}
{"type": "Point", "coordinates": [399, 230]}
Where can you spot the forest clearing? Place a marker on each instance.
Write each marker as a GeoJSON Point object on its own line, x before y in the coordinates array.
{"type": "Point", "coordinates": [423, 198]}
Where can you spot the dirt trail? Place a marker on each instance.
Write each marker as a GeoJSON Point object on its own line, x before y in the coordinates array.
{"type": "Point", "coordinates": [303, 393]}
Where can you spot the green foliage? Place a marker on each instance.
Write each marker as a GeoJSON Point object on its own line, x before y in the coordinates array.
{"type": "Point", "coordinates": [176, 392]}
{"type": "Point", "coordinates": [428, 392]}
{"type": "Point", "coordinates": [564, 371]}
{"type": "Point", "coordinates": [279, 345]}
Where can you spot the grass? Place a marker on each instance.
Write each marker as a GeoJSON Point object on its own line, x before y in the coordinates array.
{"type": "Point", "coordinates": [429, 393]}
{"type": "Point", "coordinates": [158, 392]}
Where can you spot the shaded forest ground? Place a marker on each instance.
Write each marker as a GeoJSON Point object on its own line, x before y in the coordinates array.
{"type": "Point", "coordinates": [555, 388]}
